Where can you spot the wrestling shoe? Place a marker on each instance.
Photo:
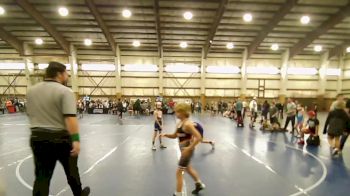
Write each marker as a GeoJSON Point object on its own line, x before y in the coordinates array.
{"type": "Point", "coordinates": [85, 191]}
{"type": "Point", "coordinates": [212, 145]}
{"type": "Point", "coordinates": [199, 186]}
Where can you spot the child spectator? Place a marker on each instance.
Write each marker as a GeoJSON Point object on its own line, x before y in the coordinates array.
{"type": "Point", "coordinates": [312, 127]}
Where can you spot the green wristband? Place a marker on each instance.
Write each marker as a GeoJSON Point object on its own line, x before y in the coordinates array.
{"type": "Point", "coordinates": [75, 137]}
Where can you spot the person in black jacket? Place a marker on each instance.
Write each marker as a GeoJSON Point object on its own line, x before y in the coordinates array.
{"type": "Point", "coordinates": [345, 136]}
{"type": "Point", "coordinates": [120, 108]}
{"type": "Point", "coordinates": [336, 125]}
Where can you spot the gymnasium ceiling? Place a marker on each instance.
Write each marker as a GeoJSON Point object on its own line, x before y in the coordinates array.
{"type": "Point", "coordinates": [160, 23]}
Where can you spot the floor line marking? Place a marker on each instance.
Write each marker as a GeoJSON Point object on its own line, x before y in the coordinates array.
{"type": "Point", "coordinates": [178, 152]}
{"type": "Point", "coordinates": [184, 190]}
{"type": "Point", "coordinates": [301, 191]}
{"type": "Point", "coordinates": [18, 174]}
{"type": "Point", "coordinates": [100, 160]}
{"type": "Point", "coordinates": [7, 153]}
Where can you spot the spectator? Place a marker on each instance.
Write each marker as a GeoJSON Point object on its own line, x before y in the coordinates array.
{"type": "Point", "coordinates": [253, 106]}
{"type": "Point", "coordinates": [344, 137]}
{"type": "Point", "coordinates": [340, 97]}
{"type": "Point", "coordinates": [239, 107]}
{"type": "Point", "coordinates": [291, 111]}
{"type": "Point", "coordinates": [265, 111]}
{"type": "Point", "coordinates": [120, 108]}
{"type": "Point", "coordinates": [312, 127]}
{"type": "Point", "coordinates": [274, 114]}
{"type": "Point", "coordinates": [336, 125]}
{"type": "Point", "coordinates": [279, 107]}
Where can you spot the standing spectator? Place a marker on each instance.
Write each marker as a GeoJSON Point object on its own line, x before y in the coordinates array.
{"type": "Point", "coordinates": [265, 111]}
{"type": "Point", "coordinates": [225, 106]}
{"type": "Point", "coordinates": [120, 108]}
{"type": "Point", "coordinates": [280, 107]}
{"type": "Point", "coordinates": [52, 112]}
{"type": "Point", "coordinates": [340, 97]}
{"type": "Point", "coordinates": [239, 108]}
{"type": "Point", "coordinates": [253, 106]}
{"type": "Point", "coordinates": [315, 109]}
{"type": "Point", "coordinates": [245, 107]}
{"type": "Point", "coordinates": [273, 111]}
{"type": "Point", "coordinates": [336, 125]}
{"type": "Point", "coordinates": [220, 107]}
{"type": "Point", "coordinates": [300, 118]}
{"type": "Point", "coordinates": [345, 136]}
{"type": "Point", "coordinates": [192, 107]}
{"type": "Point", "coordinates": [291, 112]}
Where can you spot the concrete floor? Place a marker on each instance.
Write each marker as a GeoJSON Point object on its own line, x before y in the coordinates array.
{"type": "Point", "coordinates": [116, 159]}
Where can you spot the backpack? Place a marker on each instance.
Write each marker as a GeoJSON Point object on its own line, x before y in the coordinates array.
{"type": "Point", "coordinates": [313, 140]}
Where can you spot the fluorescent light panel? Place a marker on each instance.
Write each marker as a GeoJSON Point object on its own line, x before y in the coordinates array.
{"type": "Point", "coordinates": [181, 68]}
{"type": "Point", "coordinates": [302, 71]}
{"type": "Point", "coordinates": [98, 67]}
{"type": "Point", "coordinates": [333, 72]}
{"type": "Point", "coordinates": [140, 68]}
{"type": "Point", "coordinates": [12, 66]}
{"type": "Point", "coordinates": [263, 70]}
{"type": "Point", "coordinates": [223, 69]}
{"type": "Point", "coordinates": [45, 65]}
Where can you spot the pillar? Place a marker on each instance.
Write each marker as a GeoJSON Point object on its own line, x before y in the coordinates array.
{"type": "Point", "coordinates": [74, 70]}
{"type": "Point", "coordinates": [341, 76]}
{"type": "Point", "coordinates": [161, 72]}
{"type": "Point", "coordinates": [244, 74]}
{"type": "Point", "coordinates": [203, 66]}
{"type": "Point", "coordinates": [284, 76]}
{"type": "Point", "coordinates": [29, 66]}
{"type": "Point", "coordinates": [322, 73]}
{"type": "Point", "coordinates": [324, 61]}
{"type": "Point", "coordinates": [118, 73]}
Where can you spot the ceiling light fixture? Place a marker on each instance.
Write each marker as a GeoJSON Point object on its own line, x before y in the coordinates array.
{"type": "Point", "coordinates": [136, 43]}
{"type": "Point", "coordinates": [39, 41]}
{"type": "Point", "coordinates": [318, 48]}
{"type": "Point", "coordinates": [247, 17]}
{"type": "Point", "coordinates": [188, 15]}
{"type": "Point", "coordinates": [2, 11]}
{"type": "Point", "coordinates": [126, 13]}
{"type": "Point", "coordinates": [230, 45]}
{"type": "Point", "coordinates": [63, 11]}
{"type": "Point", "coordinates": [183, 44]}
{"type": "Point", "coordinates": [87, 42]}
{"type": "Point", "coordinates": [305, 20]}
{"type": "Point", "coordinates": [274, 47]}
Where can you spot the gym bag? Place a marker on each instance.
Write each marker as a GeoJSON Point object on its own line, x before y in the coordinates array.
{"type": "Point", "coordinates": [313, 140]}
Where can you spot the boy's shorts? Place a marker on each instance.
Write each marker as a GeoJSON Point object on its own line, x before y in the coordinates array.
{"type": "Point", "coordinates": [157, 127]}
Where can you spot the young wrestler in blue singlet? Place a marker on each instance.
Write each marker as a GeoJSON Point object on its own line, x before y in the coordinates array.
{"type": "Point", "coordinates": [158, 125]}
{"type": "Point", "coordinates": [201, 131]}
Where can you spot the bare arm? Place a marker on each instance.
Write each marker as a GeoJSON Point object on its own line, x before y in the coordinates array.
{"type": "Point", "coordinates": [172, 135]}
{"type": "Point", "coordinates": [72, 125]}
{"type": "Point", "coordinates": [317, 129]}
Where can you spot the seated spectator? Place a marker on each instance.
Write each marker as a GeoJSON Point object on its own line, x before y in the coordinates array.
{"type": "Point", "coordinates": [312, 126]}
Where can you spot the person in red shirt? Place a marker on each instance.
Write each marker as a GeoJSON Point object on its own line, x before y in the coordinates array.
{"type": "Point", "coordinates": [312, 127]}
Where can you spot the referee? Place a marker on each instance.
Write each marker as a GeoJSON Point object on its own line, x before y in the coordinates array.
{"type": "Point", "coordinates": [55, 133]}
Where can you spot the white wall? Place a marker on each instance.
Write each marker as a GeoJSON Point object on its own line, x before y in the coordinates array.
{"type": "Point", "coordinates": [187, 84]}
